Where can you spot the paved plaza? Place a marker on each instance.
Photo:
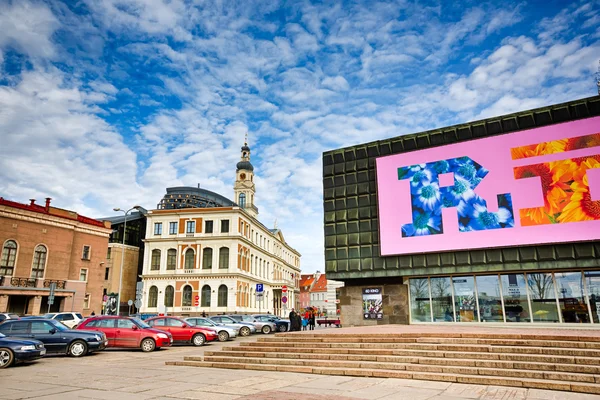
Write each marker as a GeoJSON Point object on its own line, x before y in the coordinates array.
{"type": "Point", "coordinates": [130, 374]}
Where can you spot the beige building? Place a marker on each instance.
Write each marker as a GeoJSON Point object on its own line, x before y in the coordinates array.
{"type": "Point", "coordinates": [205, 253]}
{"type": "Point", "coordinates": [44, 245]}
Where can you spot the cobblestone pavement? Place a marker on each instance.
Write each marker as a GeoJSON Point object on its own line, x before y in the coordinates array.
{"type": "Point", "coordinates": [130, 374]}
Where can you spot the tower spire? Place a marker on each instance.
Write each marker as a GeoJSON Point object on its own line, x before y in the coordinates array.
{"type": "Point", "coordinates": [244, 188]}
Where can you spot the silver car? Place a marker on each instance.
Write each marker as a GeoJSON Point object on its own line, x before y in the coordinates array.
{"type": "Point", "coordinates": [225, 333]}
{"type": "Point", "coordinates": [263, 326]}
{"type": "Point", "coordinates": [243, 329]}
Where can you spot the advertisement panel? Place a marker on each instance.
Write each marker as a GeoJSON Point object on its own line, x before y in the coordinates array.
{"type": "Point", "coordinates": [372, 303]}
{"type": "Point", "coordinates": [529, 187]}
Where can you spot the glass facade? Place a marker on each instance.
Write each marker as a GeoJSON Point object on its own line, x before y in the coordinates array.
{"type": "Point", "coordinates": [537, 297]}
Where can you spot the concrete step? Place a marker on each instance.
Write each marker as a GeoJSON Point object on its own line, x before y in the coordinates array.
{"type": "Point", "coordinates": [353, 337]}
{"type": "Point", "coordinates": [522, 381]}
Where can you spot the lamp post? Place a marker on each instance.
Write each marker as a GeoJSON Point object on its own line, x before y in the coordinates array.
{"type": "Point", "coordinates": [123, 253]}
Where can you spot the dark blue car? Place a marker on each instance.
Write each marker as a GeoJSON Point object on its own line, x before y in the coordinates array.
{"type": "Point", "coordinates": [17, 349]}
{"type": "Point", "coordinates": [57, 338]}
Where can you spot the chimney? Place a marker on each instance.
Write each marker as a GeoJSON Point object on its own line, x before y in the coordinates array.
{"type": "Point", "coordinates": [48, 203]}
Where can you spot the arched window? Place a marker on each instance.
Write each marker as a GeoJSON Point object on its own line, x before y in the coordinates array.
{"type": "Point", "coordinates": [207, 258]}
{"type": "Point", "coordinates": [205, 296]}
{"type": "Point", "coordinates": [152, 297]}
{"type": "Point", "coordinates": [9, 255]}
{"type": "Point", "coordinates": [155, 263]}
{"type": "Point", "coordinates": [222, 300]}
{"type": "Point", "coordinates": [189, 259]}
{"type": "Point", "coordinates": [187, 296]}
{"type": "Point", "coordinates": [224, 258]}
{"type": "Point", "coordinates": [39, 261]}
{"type": "Point", "coordinates": [171, 259]}
{"type": "Point", "coordinates": [169, 294]}
{"type": "Point", "coordinates": [242, 200]}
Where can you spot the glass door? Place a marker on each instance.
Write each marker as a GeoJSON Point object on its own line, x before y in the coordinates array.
{"type": "Point", "coordinates": [571, 297]}
{"type": "Point", "coordinates": [490, 301]}
{"type": "Point", "coordinates": [464, 299]}
{"type": "Point", "coordinates": [543, 297]}
{"type": "Point", "coordinates": [441, 300]}
{"type": "Point", "coordinates": [420, 307]}
{"type": "Point", "coordinates": [516, 306]}
{"type": "Point", "coordinates": [592, 281]}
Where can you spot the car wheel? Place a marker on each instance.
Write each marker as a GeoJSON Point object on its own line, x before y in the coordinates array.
{"type": "Point", "coordinates": [78, 348]}
{"type": "Point", "coordinates": [282, 328]}
{"type": "Point", "coordinates": [223, 336]}
{"type": "Point", "coordinates": [245, 331]}
{"type": "Point", "coordinates": [266, 329]}
{"type": "Point", "coordinates": [148, 345]}
{"type": "Point", "coordinates": [198, 339]}
{"type": "Point", "coordinates": [6, 358]}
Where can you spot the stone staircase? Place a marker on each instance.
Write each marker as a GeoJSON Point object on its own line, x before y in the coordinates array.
{"type": "Point", "coordinates": [557, 362]}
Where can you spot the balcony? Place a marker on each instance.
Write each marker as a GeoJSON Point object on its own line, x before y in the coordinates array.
{"type": "Point", "coordinates": [9, 281]}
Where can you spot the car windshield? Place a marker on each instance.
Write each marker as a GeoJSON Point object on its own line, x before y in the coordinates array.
{"type": "Point", "coordinates": [49, 315]}
{"type": "Point", "coordinates": [228, 320]}
{"type": "Point", "coordinates": [140, 323]}
{"type": "Point", "coordinates": [59, 326]}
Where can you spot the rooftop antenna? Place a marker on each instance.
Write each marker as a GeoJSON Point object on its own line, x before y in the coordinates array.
{"type": "Point", "coordinates": [198, 185]}
{"type": "Point", "coordinates": [246, 139]}
{"type": "Point", "coordinates": [275, 224]}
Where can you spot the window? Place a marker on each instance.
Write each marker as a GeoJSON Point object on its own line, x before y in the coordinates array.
{"type": "Point", "coordinates": [9, 255]}
{"type": "Point", "coordinates": [187, 296]}
{"type": "Point", "coordinates": [208, 227]}
{"type": "Point", "coordinates": [106, 273]}
{"type": "Point", "coordinates": [64, 317]}
{"type": "Point", "coordinates": [83, 272]}
{"type": "Point", "coordinates": [41, 327]}
{"type": "Point", "coordinates": [169, 294]}
{"type": "Point", "coordinates": [106, 323]}
{"type": "Point", "coordinates": [207, 258]}
{"type": "Point", "coordinates": [171, 259]}
{"type": "Point", "coordinates": [222, 300]}
{"type": "Point", "coordinates": [189, 259]}
{"type": "Point", "coordinates": [108, 253]}
{"type": "Point", "coordinates": [155, 263]}
{"type": "Point", "coordinates": [224, 258]}
{"type": "Point", "coordinates": [172, 228]}
{"type": "Point", "coordinates": [205, 296]}
{"type": "Point", "coordinates": [158, 228]}
{"type": "Point", "coordinates": [86, 252]}
{"type": "Point", "coordinates": [190, 227]}
{"type": "Point", "coordinates": [152, 297]}
{"type": "Point", "coordinates": [125, 323]}
{"type": "Point", "coordinates": [242, 200]}
{"type": "Point", "coordinates": [224, 226]}
{"type": "Point", "coordinates": [39, 261]}
{"type": "Point", "coordinates": [86, 301]}
{"type": "Point", "coordinates": [174, 322]}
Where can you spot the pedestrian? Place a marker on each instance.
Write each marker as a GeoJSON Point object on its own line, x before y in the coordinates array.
{"type": "Point", "coordinates": [93, 313]}
{"type": "Point", "coordinates": [293, 320]}
{"type": "Point", "coordinates": [298, 321]}
{"type": "Point", "coordinates": [203, 314]}
{"type": "Point", "coordinates": [311, 321]}
{"type": "Point", "coordinates": [304, 323]}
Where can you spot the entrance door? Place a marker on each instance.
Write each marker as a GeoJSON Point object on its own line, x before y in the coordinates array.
{"type": "Point", "coordinates": [592, 280]}
{"type": "Point", "coordinates": [571, 297]}
{"type": "Point", "coordinates": [464, 299]}
{"type": "Point", "coordinates": [18, 304]}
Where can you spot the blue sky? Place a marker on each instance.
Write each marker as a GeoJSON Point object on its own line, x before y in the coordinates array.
{"type": "Point", "coordinates": [105, 103]}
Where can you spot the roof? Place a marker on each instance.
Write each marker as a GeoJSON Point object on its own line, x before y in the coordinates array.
{"type": "Point", "coordinates": [192, 197]}
{"type": "Point", "coordinates": [321, 284]}
{"type": "Point", "coordinates": [53, 211]}
{"type": "Point", "coordinates": [306, 282]}
{"type": "Point", "coordinates": [119, 219]}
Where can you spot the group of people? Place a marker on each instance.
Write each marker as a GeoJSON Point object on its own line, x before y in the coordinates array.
{"type": "Point", "coordinates": [304, 322]}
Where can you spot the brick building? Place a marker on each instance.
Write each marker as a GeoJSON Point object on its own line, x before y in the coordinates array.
{"type": "Point", "coordinates": [41, 245]}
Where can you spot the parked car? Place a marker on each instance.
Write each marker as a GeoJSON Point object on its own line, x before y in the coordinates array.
{"type": "Point", "coordinates": [183, 331]}
{"type": "Point", "coordinates": [57, 338]}
{"type": "Point", "coordinates": [244, 328]}
{"type": "Point", "coordinates": [16, 349]}
{"type": "Point", "coordinates": [265, 327]}
{"type": "Point", "coordinates": [283, 325]}
{"type": "Point", "coordinates": [128, 332]}
{"type": "Point", "coordinates": [70, 319]}
{"type": "Point", "coordinates": [5, 316]}
{"type": "Point", "coordinates": [224, 332]}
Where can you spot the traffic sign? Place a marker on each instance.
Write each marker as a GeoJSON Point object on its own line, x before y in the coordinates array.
{"type": "Point", "coordinates": [284, 299]}
{"type": "Point", "coordinates": [196, 303]}
{"type": "Point", "coordinates": [284, 289]}
{"type": "Point", "coordinates": [259, 288]}
{"type": "Point", "coordinates": [260, 296]}
{"type": "Point", "coordinates": [130, 302]}
{"type": "Point", "coordinates": [197, 298]}
{"type": "Point", "coordinates": [138, 303]}
{"type": "Point", "coordinates": [51, 295]}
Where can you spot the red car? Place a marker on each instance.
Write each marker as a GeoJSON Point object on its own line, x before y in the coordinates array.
{"type": "Point", "coordinates": [183, 331]}
{"type": "Point", "coordinates": [127, 332]}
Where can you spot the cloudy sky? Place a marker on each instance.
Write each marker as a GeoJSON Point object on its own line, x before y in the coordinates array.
{"type": "Point", "coordinates": [105, 103]}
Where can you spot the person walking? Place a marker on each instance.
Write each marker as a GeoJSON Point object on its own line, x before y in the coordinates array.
{"type": "Point", "coordinates": [293, 321]}
{"type": "Point", "coordinates": [298, 321]}
{"type": "Point", "coordinates": [304, 323]}
{"type": "Point", "coordinates": [311, 321]}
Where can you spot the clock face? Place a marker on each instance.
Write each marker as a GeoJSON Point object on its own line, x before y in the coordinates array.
{"type": "Point", "coordinates": [242, 176]}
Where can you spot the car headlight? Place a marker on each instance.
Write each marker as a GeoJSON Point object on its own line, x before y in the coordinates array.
{"type": "Point", "coordinates": [162, 335]}
{"type": "Point", "coordinates": [30, 347]}
{"type": "Point", "coordinates": [98, 338]}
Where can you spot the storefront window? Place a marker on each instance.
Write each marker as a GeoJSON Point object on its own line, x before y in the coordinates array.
{"type": "Point", "coordinates": [543, 297]}
{"type": "Point", "coordinates": [419, 300]}
{"type": "Point", "coordinates": [441, 300]}
{"type": "Point", "coordinates": [490, 302]}
{"type": "Point", "coordinates": [464, 299]}
{"type": "Point", "coordinates": [514, 291]}
{"type": "Point", "coordinates": [571, 298]}
{"type": "Point", "coordinates": [592, 280]}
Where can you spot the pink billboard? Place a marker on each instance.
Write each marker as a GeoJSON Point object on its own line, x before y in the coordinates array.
{"type": "Point", "coordinates": [529, 187]}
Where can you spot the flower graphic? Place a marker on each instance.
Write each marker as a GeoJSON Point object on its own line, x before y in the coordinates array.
{"type": "Point", "coordinates": [428, 197]}
{"type": "Point", "coordinates": [581, 207]}
{"type": "Point", "coordinates": [424, 223]}
{"type": "Point", "coordinates": [482, 219]}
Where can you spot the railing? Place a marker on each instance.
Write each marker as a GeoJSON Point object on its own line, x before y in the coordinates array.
{"type": "Point", "coordinates": [23, 282]}
{"type": "Point", "coordinates": [59, 284]}
{"type": "Point", "coordinates": [30, 282]}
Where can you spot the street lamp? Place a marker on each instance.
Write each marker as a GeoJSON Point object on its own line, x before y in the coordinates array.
{"type": "Point", "coordinates": [123, 253]}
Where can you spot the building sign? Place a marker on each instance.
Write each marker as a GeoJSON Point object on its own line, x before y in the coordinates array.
{"type": "Point", "coordinates": [530, 187]}
{"type": "Point", "coordinates": [372, 303]}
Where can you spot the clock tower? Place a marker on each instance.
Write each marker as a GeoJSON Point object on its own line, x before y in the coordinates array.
{"type": "Point", "coordinates": [244, 188]}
